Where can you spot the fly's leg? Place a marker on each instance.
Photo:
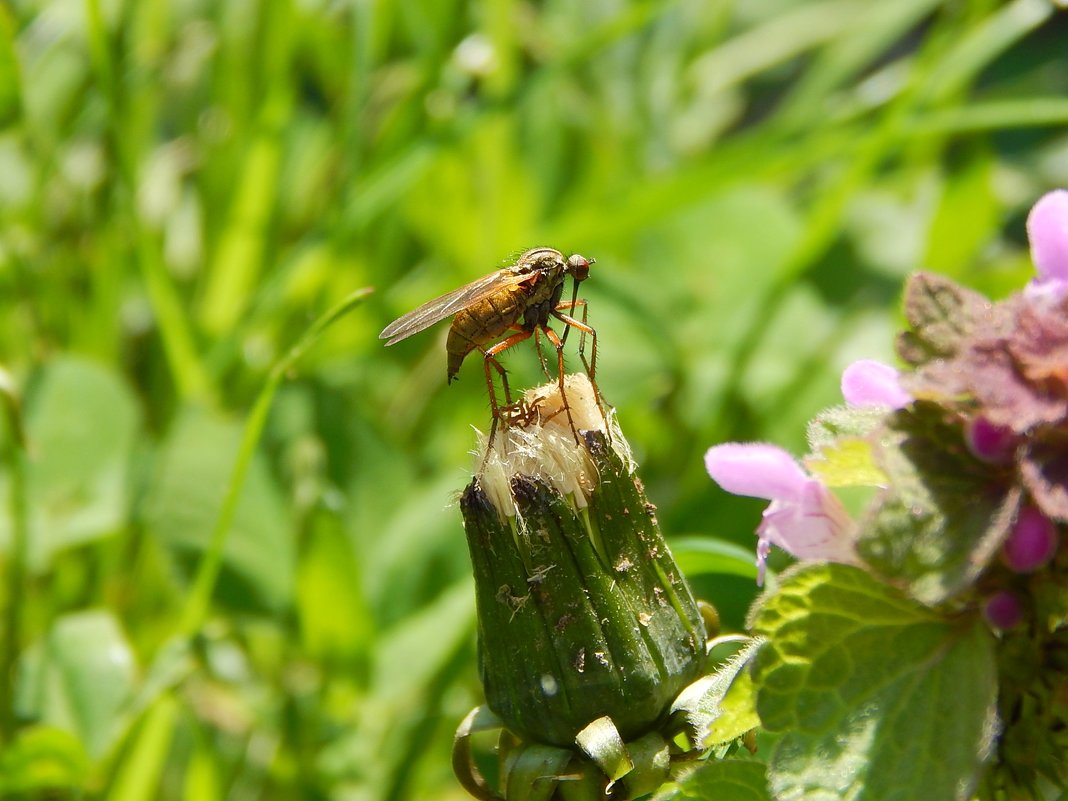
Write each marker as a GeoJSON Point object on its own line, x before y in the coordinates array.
{"type": "Point", "coordinates": [541, 354]}
{"type": "Point", "coordinates": [584, 328]}
{"type": "Point", "coordinates": [591, 365]}
{"type": "Point", "coordinates": [559, 345]}
{"type": "Point", "coordinates": [489, 359]}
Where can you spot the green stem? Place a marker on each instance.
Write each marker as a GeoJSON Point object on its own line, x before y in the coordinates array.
{"type": "Point", "coordinates": [196, 607]}
{"type": "Point", "coordinates": [138, 777]}
{"type": "Point", "coordinates": [16, 574]}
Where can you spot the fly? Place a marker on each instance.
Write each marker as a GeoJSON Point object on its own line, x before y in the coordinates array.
{"type": "Point", "coordinates": [515, 303]}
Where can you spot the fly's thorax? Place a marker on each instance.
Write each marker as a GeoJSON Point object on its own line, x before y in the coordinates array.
{"type": "Point", "coordinates": [549, 266]}
{"type": "Point", "coordinates": [541, 259]}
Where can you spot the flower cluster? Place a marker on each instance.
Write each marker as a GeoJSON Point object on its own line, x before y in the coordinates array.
{"type": "Point", "coordinates": [966, 449]}
{"type": "Point", "coordinates": [992, 377]}
{"type": "Point", "coordinates": [804, 518]}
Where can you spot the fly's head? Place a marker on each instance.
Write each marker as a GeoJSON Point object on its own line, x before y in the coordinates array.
{"type": "Point", "coordinates": [578, 267]}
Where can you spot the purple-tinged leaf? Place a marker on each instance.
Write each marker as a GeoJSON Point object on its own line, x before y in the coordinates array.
{"type": "Point", "coordinates": [1044, 469]}
{"type": "Point", "coordinates": [944, 514]}
{"type": "Point", "coordinates": [941, 315]}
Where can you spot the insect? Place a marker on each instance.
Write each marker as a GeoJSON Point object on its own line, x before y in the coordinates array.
{"type": "Point", "coordinates": [516, 303]}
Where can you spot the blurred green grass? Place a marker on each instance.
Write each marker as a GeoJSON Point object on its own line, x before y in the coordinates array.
{"type": "Point", "coordinates": [186, 186]}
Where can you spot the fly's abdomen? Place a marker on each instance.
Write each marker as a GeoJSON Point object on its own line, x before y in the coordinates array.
{"type": "Point", "coordinates": [482, 323]}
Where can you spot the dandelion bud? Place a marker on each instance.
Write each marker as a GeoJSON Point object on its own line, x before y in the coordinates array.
{"type": "Point", "coordinates": [582, 613]}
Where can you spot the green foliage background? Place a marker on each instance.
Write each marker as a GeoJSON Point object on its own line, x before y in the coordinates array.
{"type": "Point", "coordinates": [185, 186]}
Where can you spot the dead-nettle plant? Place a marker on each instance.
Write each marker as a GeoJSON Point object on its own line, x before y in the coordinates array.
{"type": "Point", "coordinates": [919, 650]}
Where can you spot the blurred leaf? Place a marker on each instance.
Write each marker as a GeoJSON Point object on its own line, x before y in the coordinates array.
{"type": "Point", "coordinates": [491, 196]}
{"type": "Point", "coordinates": [869, 32]}
{"type": "Point", "coordinates": [423, 643]}
{"type": "Point", "coordinates": [855, 722]}
{"type": "Point", "coordinates": [415, 546]}
{"type": "Point", "coordinates": [967, 217]}
{"type": "Point", "coordinates": [336, 624]}
{"type": "Point", "coordinates": [1008, 114]}
{"type": "Point", "coordinates": [202, 780]}
{"type": "Point", "coordinates": [714, 780]}
{"type": "Point", "coordinates": [10, 77]}
{"type": "Point", "coordinates": [975, 48]}
{"type": "Point", "coordinates": [81, 421]}
{"type": "Point", "coordinates": [195, 464]}
{"type": "Point", "coordinates": [699, 555]}
{"type": "Point", "coordinates": [780, 37]}
{"type": "Point", "coordinates": [408, 662]}
{"type": "Point", "coordinates": [241, 252]}
{"type": "Point", "coordinates": [80, 679]}
{"type": "Point", "coordinates": [42, 758]}
{"type": "Point", "coordinates": [137, 774]}
{"type": "Point", "coordinates": [10, 398]}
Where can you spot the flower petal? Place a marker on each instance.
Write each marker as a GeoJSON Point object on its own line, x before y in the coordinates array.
{"type": "Point", "coordinates": [757, 470]}
{"type": "Point", "coordinates": [1047, 229]}
{"type": "Point", "coordinates": [867, 383]}
{"type": "Point", "coordinates": [815, 528]}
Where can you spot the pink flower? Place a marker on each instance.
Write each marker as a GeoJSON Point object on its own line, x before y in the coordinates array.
{"type": "Point", "coordinates": [868, 383]}
{"type": "Point", "coordinates": [1047, 228]}
{"type": "Point", "coordinates": [804, 517]}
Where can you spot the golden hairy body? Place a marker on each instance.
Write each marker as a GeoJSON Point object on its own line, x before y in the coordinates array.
{"type": "Point", "coordinates": [488, 319]}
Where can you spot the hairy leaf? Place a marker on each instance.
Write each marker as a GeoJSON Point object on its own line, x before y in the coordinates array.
{"type": "Point", "coordinates": [941, 314]}
{"type": "Point", "coordinates": [877, 697]}
{"type": "Point", "coordinates": [944, 513]}
{"type": "Point", "coordinates": [727, 780]}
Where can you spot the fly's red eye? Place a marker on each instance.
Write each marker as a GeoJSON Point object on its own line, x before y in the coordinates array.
{"type": "Point", "coordinates": [579, 267]}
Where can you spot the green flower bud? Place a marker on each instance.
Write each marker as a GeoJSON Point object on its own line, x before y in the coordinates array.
{"type": "Point", "coordinates": [582, 611]}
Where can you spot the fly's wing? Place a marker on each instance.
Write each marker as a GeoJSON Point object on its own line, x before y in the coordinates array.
{"type": "Point", "coordinates": [450, 303]}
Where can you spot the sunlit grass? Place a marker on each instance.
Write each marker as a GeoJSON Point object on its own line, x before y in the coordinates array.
{"type": "Point", "coordinates": [186, 187]}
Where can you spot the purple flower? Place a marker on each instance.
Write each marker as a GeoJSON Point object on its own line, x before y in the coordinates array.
{"type": "Point", "coordinates": [990, 442]}
{"type": "Point", "coordinates": [871, 383]}
{"type": "Point", "coordinates": [1047, 228]}
{"type": "Point", "coordinates": [1003, 610]}
{"type": "Point", "coordinates": [1032, 542]}
{"type": "Point", "coordinates": [804, 517]}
